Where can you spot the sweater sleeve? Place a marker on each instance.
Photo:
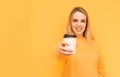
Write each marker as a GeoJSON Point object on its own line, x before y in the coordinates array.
{"type": "Point", "coordinates": [59, 55]}
{"type": "Point", "coordinates": [100, 67]}
{"type": "Point", "coordinates": [100, 63]}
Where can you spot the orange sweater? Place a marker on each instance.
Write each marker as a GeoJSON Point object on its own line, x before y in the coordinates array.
{"type": "Point", "coordinates": [86, 62]}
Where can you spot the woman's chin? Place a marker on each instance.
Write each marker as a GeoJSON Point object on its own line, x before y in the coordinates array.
{"type": "Point", "coordinates": [78, 33]}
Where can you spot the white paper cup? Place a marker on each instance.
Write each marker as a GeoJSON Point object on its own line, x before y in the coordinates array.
{"type": "Point", "coordinates": [71, 40]}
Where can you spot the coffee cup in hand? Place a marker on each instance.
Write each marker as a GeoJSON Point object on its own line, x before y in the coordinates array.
{"type": "Point", "coordinates": [71, 41]}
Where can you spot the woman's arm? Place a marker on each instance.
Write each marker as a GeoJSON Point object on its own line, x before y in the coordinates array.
{"type": "Point", "coordinates": [100, 63]}
{"type": "Point", "coordinates": [62, 51]}
{"type": "Point", "coordinates": [100, 67]}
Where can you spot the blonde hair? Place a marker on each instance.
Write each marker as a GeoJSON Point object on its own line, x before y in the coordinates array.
{"type": "Point", "coordinates": [87, 33]}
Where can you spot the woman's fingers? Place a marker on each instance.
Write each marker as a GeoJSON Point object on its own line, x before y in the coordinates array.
{"type": "Point", "coordinates": [64, 44]}
{"type": "Point", "coordinates": [65, 50]}
{"type": "Point", "coordinates": [64, 53]}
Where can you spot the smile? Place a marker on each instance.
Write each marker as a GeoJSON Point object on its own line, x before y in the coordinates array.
{"type": "Point", "coordinates": [78, 29]}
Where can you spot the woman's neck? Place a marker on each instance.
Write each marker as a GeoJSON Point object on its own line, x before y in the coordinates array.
{"type": "Point", "coordinates": [79, 36]}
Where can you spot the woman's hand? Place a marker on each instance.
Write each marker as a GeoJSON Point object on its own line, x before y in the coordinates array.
{"type": "Point", "coordinates": [64, 49]}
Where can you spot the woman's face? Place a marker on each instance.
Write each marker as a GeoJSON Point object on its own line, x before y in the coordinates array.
{"type": "Point", "coordinates": [78, 22]}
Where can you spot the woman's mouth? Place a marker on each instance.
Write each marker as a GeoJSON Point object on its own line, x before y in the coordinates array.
{"type": "Point", "coordinates": [78, 29]}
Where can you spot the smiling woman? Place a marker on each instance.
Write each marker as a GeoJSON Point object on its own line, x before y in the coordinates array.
{"type": "Point", "coordinates": [78, 23]}
{"type": "Point", "coordinates": [87, 61]}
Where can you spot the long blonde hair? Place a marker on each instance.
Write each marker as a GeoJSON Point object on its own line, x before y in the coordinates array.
{"type": "Point", "coordinates": [87, 33]}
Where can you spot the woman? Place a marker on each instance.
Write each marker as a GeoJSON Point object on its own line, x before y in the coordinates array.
{"type": "Point", "coordinates": [86, 62]}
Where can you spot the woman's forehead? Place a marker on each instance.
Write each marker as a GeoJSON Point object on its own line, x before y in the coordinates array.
{"type": "Point", "coordinates": [79, 15]}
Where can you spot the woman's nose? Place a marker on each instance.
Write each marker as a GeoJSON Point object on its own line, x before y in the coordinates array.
{"type": "Point", "coordinates": [78, 24]}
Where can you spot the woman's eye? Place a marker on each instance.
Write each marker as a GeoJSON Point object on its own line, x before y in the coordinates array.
{"type": "Point", "coordinates": [75, 20]}
{"type": "Point", "coordinates": [83, 21]}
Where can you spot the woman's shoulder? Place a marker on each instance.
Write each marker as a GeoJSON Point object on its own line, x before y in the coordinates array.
{"type": "Point", "coordinates": [95, 45]}
{"type": "Point", "coordinates": [92, 42]}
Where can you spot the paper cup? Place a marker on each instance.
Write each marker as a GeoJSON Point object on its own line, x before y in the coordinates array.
{"type": "Point", "coordinates": [71, 40]}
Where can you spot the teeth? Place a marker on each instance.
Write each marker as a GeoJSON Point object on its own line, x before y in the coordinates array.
{"type": "Point", "coordinates": [78, 28]}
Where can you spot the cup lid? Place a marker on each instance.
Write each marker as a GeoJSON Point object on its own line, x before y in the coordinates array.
{"type": "Point", "coordinates": [68, 36]}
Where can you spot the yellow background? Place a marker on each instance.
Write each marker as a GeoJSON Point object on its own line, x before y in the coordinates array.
{"type": "Point", "coordinates": [30, 30]}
